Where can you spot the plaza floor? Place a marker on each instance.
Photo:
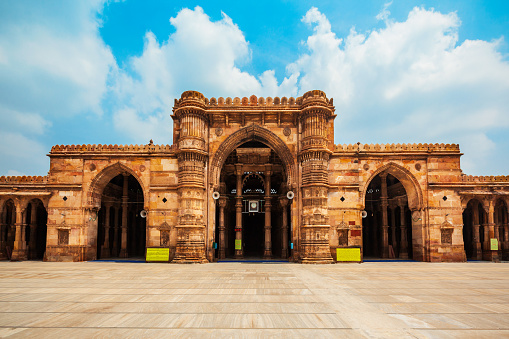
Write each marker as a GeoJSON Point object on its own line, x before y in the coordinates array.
{"type": "Point", "coordinates": [237, 300]}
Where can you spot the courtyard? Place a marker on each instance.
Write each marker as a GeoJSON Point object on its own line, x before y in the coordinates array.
{"type": "Point", "coordinates": [236, 299]}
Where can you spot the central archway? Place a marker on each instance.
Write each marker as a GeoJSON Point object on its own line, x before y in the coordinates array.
{"type": "Point", "coordinates": [253, 169]}
{"type": "Point", "coordinates": [253, 133]}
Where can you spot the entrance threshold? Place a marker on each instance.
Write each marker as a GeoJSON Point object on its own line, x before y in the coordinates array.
{"type": "Point", "coordinates": [387, 260]}
{"type": "Point", "coordinates": [135, 260]}
{"type": "Point", "coordinates": [254, 260]}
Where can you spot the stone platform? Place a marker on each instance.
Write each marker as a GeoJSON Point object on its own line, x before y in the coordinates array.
{"type": "Point", "coordinates": [378, 299]}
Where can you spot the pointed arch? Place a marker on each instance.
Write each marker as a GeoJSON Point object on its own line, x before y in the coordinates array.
{"type": "Point", "coordinates": [407, 179]}
{"type": "Point", "coordinates": [102, 179]}
{"type": "Point", "coordinates": [252, 133]}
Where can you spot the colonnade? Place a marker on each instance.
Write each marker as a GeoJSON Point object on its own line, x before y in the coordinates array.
{"type": "Point", "coordinates": [238, 209]}
{"type": "Point", "coordinates": [18, 229]}
{"type": "Point", "coordinates": [119, 210]}
{"type": "Point", "coordinates": [393, 224]}
{"type": "Point", "coordinates": [488, 219]}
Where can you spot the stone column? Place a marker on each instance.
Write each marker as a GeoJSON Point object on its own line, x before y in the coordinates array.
{"type": "Point", "coordinates": [105, 249]}
{"type": "Point", "coordinates": [376, 240]}
{"type": "Point", "coordinates": [114, 250]}
{"type": "Point", "coordinates": [3, 226]}
{"type": "Point", "coordinates": [267, 253]}
{"type": "Point", "coordinates": [125, 198]}
{"type": "Point", "coordinates": [283, 201]}
{"type": "Point", "coordinates": [491, 230]}
{"type": "Point", "coordinates": [32, 245]}
{"type": "Point", "coordinates": [385, 222]}
{"type": "Point", "coordinates": [506, 236]}
{"type": "Point", "coordinates": [238, 211]}
{"type": "Point", "coordinates": [403, 250]}
{"type": "Point", "coordinates": [222, 229]}
{"type": "Point", "coordinates": [477, 251]}
{"type": "Point", "coordinates": [19, 250]}
{"type": "Point", "coordinates": [393, 230]}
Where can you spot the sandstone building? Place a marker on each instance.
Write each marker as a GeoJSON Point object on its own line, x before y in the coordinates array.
{"type": "Point", "coordinates": [255, 177]}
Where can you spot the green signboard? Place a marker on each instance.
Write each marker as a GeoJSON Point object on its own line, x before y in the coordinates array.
{"type": "Point", "coordinates": [156, 254]}
{"type": "Point", "coordinates": [348, 254]}
{"type": "Point", "coordinates": [494, 244]}
{"type": "Point", "coordinates": [238, 244]}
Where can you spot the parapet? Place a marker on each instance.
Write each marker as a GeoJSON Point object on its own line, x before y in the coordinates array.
{"type": "Point", "coordinates": [384, 148]}
{"type": "Point", "coordinates": [148, 148]}
{"type": "Point", "coordinates": [491, 178]}
{"type": "Point", "coordinates": [23, 179]}
{"type": "Point", "coordinates": [253, 100]}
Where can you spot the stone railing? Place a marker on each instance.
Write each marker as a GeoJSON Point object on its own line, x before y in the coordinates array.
{"type": "Point", "coordinates": [149, 148]}
{"type": "Point", "coordinates": [487, 178]}
{"type": "Point", "coordinates": [253, 100]}
{"type": "Point", "coordinates": [23, 179]}
{"type": "Point", "coordinates": [397, 148]}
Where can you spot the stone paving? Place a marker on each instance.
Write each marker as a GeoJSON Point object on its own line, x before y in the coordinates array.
{"type": "Point", "coordinates": [378, 299]}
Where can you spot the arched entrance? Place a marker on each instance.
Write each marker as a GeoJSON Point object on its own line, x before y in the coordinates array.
{"type": "Point", "coordinates": [474, 227]}
{"type": "Point", "coordinates": [121, 228]}
{"type": "Point", "coordinates": [252, 220]}
{"type": "Point", "coordinates": [8, 228]}
{"type": "Point", "coordinates": [36, 230]}
{"type": "Point", "coordinates": [388, 228]}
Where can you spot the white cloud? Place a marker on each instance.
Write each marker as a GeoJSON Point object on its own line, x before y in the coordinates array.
{"type": "Point", "coordinates": [53, 64]}
{"type": "Point", "coordinates": [410, 82]}
{"type": "Point", "coordinates": [21, 154]}
{"type": "Point", "coordinates": [202, 55]}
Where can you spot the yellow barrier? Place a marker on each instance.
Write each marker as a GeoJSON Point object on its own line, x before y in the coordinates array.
{"type": "Point", "coordinates": [348, 254]}
{"type": "Point", "coordinates": [156, 254]}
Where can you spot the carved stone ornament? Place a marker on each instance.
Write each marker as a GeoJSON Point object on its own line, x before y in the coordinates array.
{"type": "Point", "coordinates": [366, 167]}
{"type": "Point", "coordinates": [142, 168]}
{"type": "Point", "coordinates": [92, 167]}
{"type": "Point", "coordinates": [287, 131]}
{"type": "Point", "coordinates": [418, 167]}
{"type": "Point", "coordinates": [219, 131]}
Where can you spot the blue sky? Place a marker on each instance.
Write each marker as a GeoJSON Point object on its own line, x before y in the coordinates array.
{"type": "Point", "coordinates": [108, 72]}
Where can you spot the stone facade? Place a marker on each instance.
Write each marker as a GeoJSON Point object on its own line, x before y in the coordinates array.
{"type": "Point", "coordinates": [255, 177]}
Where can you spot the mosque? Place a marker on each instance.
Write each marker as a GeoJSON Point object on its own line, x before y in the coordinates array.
{"type": "Point", "coordinates": [255, 178]}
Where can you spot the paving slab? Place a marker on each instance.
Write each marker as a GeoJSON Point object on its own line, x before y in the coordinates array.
{"type": "Point", "coordinates": [254, 300]}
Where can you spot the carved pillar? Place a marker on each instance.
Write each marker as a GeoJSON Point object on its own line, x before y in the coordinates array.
{"type": "Point", "coordinates": [32, 245]}
{"type": "Point", "coordinates": [105, 249]}
{"type": "Point", "coordinates": [3, 229]}
{"type": "Point", "coordinates": [506, 235]}
{"type": "Point", "coordinates": [114, 250]}
{"type": "Point", "coordinates": [477, 251]}
{"type": "Point", "coordinates": [192, 155]}
{"type": "Point", "coordinates": [283, 201]}
{"type": "Point", "coordinates": [267, 254]}
{"type": "Point", "coordinates": [19, 250]}
{"type": "Point", "coordinates": [239, 253]}
{"type": "Point", "coordinates": [491, 228]}
{"type": "Point", "coordinates": [222, 229]}
{"type": "Point", "coordinates": [393, 229]}
{"type": "Point", "coordinates": [385, 221]}
{"type": "Point", "coordinates": [315, 118]}
{"type": "Point", "coordinates": [123, 226]}
{"type": "Point", "coordinates": [403, 250]}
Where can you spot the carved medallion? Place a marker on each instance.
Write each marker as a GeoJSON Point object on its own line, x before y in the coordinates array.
{"type": "Point", "coordinates": [142, 168]}
{"type": "Point", "coordinates": [366, 167]}
{"type": "Point", "coordinates": [418, 167]}
{"type": "Point", "coordinates": [92, 167]}
{"type": "Point", "coordinates": [219, 131]}
{"type": "Point", "coordinates": [287, 131]}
